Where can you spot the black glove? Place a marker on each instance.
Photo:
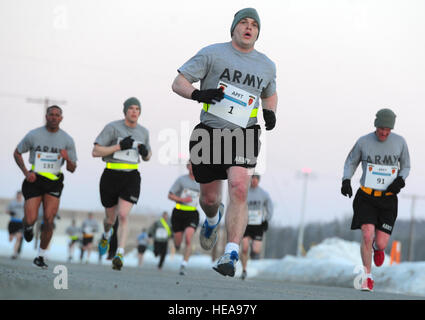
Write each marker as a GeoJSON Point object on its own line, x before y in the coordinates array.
{"type": "Point", "coordinates": [346, 188]}
{"type": "Point", "coordinates": [208, 95]}
{"type": "Point", "coordinates": [142, 150]}
{"type": "Point", "coordinates": [265, 225]}
{"type": "Point", "coordinates": [270, 118]}
{"type": "Point", "coordinates": [396, 185]}
{"type": "Point", "coordinates": [126, 143]}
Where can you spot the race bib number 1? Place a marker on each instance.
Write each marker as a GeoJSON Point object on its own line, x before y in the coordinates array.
{"type": "Point", "coordinates": [379, 177]}
{"type": "Point", "coordinates": [236, 106]}
{"type": "Point", "coordinates": [47, 162]}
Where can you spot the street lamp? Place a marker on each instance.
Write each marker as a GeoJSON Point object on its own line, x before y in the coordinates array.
{"type": "Point", "coordinates": [306, 173]}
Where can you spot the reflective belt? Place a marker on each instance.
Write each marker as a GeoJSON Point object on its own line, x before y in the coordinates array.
{"type": "Point", "coordinates": [165, 225]}
{"type": "Point", "coordinates": [253, 112]}
{"type": "Point", "coordinates": [183, 207]}
{"type": "Point", "coordinates": [122, 166]}
{"type": "Point", "coordinates": [375, 193]}
{"type": "Point", "coordinates": [47, 175]}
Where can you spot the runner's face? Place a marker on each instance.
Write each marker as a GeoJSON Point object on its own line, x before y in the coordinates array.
{"type": "Point", "coordinates": [53, 118]}
{"type": "Point", "coordinates": [132, 114]}
{"type": "Point", "coordinates": [254, 182]}
{"type": "Point", "coordinates": [245, 34]}
{"type": "Point", "coordinates": [383, 133]}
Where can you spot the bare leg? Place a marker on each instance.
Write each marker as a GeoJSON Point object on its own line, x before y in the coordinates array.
{"type": "Point", "coordinates": [245, 249]}
{"type": "Point", "coordinates": [368, 234]}
{"type": "Point", "coordinates": [188, 243]}
{"type": "Point", "coordinates": [210, 197]}
{"type": "Point", "coordinates": [124, 208]}
{"type": "Point", "coordinates": [51, 206]}
{"type": "Point", "coordinates": [237, 211]}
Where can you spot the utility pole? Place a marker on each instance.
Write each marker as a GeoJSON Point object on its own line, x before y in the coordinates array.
{"type": "Point", "coordinates": [414, 197]}
{"type": "Point", "coordinates": [47, 102]}
{"type": "Point", "coordinates": [300, 246]}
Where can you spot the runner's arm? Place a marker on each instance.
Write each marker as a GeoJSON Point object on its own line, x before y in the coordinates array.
{"type": "Point", "coordinates": [148, 156]}
{"type": "Point", "coordinates": [30, 176]}
{"type": "Point", "coordinates": [270, 103]}
{"type": "Point", "coordinates": [175, 198]}
{"type": "Point", "coordinates": [101, 151]}
{"type": "Point", "coordinates": [183, 87]}
{"type": "Point", "coordinates": [70, 165]}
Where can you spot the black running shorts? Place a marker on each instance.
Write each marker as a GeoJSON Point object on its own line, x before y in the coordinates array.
{"type": "Point", "coordinates": [213, 151]}
{"type": "Point", "coordinates": [379, 211]}
{"type": "Point", "coordinates": [87, 240]}
{"type": "Point", "coordinates": [41, 186]}
{"type": "Point", "coordinates": [115, 184]}
{"type": "Point", "coordinates": [254, 232]}
{"type": "Point", "coordinates": [15, 226]}
{"type": "Point", "coordinates": [180, 220]}
{"type": "Point", "coordinates": [141, 248]}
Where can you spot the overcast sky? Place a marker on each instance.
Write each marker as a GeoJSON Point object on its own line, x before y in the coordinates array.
{"type": "Point", "coordinates": [338, 62]}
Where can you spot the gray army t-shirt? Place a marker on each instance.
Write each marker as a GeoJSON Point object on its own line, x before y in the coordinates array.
{"type": "Point", "coordinates": [259, 201]}
{"type": "Point", "coordinates": [118, 129]}
{"type": "Point", "coordinates": [369, 149]}
{"type": "Point", "coordinates": [184, 186]}
{"type": "Point", "coordinates": [17, 209]}
{"type": "Point", "coordinates": [40, 139]}
{"type": "Point", "coordinates": [252, 72]}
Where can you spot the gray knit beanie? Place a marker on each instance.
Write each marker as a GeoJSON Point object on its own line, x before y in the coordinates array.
{"type": "Point", "coordinates": [245, 13]}
{"type": "Point", "coordinates": [385, 118]}
{"type": "Point", "coordinates": [129, 102]}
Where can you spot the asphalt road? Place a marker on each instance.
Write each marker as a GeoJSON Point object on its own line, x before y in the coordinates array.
{"type": "Point", "coordinates": [20, 280]}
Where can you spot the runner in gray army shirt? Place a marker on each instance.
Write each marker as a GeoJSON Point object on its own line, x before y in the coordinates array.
{"type": "Point", "coordinates": [185, 217]}
{"type": "Point", "coordinates": [234, 78]}
{"type": "Point", "coordinates": [120, 144]}
{"type": "Point", "coordinates": [386, 164]}
{"type": "Point", "coordinates": [15, 227]}
{"type": "Point", "coordinates": [260, 212]}
{"type": "Point", "coordinates": [49, 147]}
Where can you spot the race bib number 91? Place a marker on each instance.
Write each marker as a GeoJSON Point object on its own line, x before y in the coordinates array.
{"type": "Point", "coordinates": [379, 177]}
{"type": "Point", "coordinates": [236, 106]}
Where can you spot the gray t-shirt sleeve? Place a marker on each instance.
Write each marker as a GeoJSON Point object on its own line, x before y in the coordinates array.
{"type": "Point", "coordinates": [270, 89]}
{"type": "Point", "coordinates": [72, 152]}
{"type": "Point", "coordinates": [269, 207]}
{"type": "Point", "coordinates": [352, 161]}
{"type": "Point", "coordinates": [147, 143]}
{"type": "Point", "coordinates": [106, 137]}
{"type": "Point", "coordinates": [26, 143]}
{"type": "Point", "coordinates": [197, 67]}
{"type": "Point", "coordinates": [404, 161]}
{"type": "Point", "coordinates": [177, 187]}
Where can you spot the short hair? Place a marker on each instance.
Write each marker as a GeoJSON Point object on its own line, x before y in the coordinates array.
{"type": "Point", "coordinates": [52, 107]}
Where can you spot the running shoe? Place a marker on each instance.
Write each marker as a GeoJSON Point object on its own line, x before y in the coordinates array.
{"type": "Point", "coordinates": [378, 257]}
{"type": "Point", "coordinates": [117, 262]}
{"type": "Point", "coordinates": [39, 262]}
{"type": "Point", "coordinates": [104, 245]}
{"type": "Point", "coordinates": [367, 285]}
{"type": "Point", "coordinates": [28, 233]}
{"type": "Point", "coordinates": [226, 264]}
{"type": "Point", "coordinates": [208, 234]}
{"type": "Point", "coordinates": [243, 276]}
{"type": "Point", "coordinates": [182, 271]}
